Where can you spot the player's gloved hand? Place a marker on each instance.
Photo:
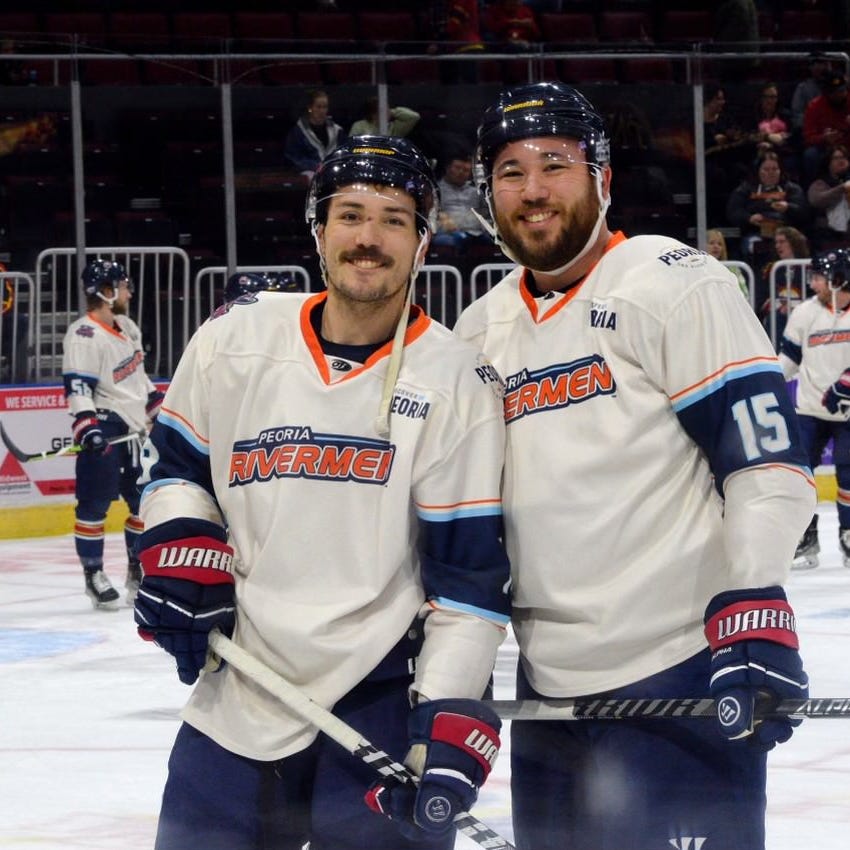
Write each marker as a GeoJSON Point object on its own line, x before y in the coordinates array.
{"type": "Point", "coordinates": [837, 393]}
{"type": "Point", "coordinates": [753, 639]}
{"type": "Point", "coordinates": [154, 404]}
{"type": "Point", "coordinates": [453, 745]}
{"type": "Point", "coordinates": [88, 433]}
{"type": "Point", "coordinates": [187, 589]}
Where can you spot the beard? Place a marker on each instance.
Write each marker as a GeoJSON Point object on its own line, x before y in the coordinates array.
{"type": "Point", "coordinates": [541, 252]}
{"type": "Point", "coordinates": [119, 309]}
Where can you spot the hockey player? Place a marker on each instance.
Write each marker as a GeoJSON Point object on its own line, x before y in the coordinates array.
{"type": "Point", "coordinates": [248, 283]}
{"type": "Point", "coordinates": [816, 349]}
{"type": "Point", "coordinates": [361, 494]}
{"type": "Point", "coordinates": [655, 488]}
{"type": "Point", "coordinates": [109, 395]}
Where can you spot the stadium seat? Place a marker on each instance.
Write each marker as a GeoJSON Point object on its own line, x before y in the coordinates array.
{"type": "Point", "coordinates": [112, 72]}
{"type": "Point", "coordinates": [652, 69]}
{"type": "Point", "coordinates": [386, 26]}
{"type": "Point", "coordinates": [570, 27]}
{"type": "Point", "coordinates": [293, 73]}
{"type": "Point", "coordinates": [192, 28]}
{"type": "Point", "coordinates": [145, 227]}
{"type": "Point", "coordinates": [580, 71]}
{"type": "Point", "coordinates": [326, 26]}
{"type": "Point", "coordinates": [625, 26]}
{"type": "Point", "coordinates": [805, 25]}
{"type": "Point", "coordinates": [687, 26]}
{"type": "Point", "coordinates": [413, 71]}
{"type": "Point", "coordinates": [263, 26]}
{"type": "Point", "coordinates": [19, 22]}
{"type": "Point", "coordinates": [86, 27]}
{"type": "Point", "coordinates": [139, 31]}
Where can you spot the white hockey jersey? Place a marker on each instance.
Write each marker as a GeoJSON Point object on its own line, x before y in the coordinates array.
{"type": "Point", "coordinates": [104, 368]}
{"type": "Point", "coordinates": [632, 402]}
{"type": "Point", "coordinates": [342, 536]}
{"type": "Point", "coordinates": [816, 348]}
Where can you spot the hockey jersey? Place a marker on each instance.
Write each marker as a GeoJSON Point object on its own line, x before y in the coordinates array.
{"type": "Point", "coordinates": [343, 537]}
{"type": "Point", "coordinates": [653, 460]}
{"type": "Point", "coordinates": [816, 348]}
{"type": "Point", "coordinates": [104, 368]}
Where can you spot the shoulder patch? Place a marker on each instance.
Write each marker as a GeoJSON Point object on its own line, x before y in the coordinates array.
{"type": "Point", "coordinates": [85, 330]}
{"type": "Point", "coordinates": [683, 255]}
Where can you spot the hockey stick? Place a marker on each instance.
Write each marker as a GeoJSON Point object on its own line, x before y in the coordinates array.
{"type": "Point", "coordinates": [25, 457]}
{"type": "Point", "coordinates": [339, 731]}
{"type": "Point", "coordinates": [641, 709]}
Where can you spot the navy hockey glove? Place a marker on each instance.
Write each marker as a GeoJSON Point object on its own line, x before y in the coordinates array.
{"type": "Point", "coordinates": [453, 745]}
{"type": "Point", "coordinates": [88, 434]}
{"type": "Point", "coordinates": [187, 589]}
{"type": "Point", "coordinates": [154, 404]}
{"type": "Point", "coordinates": [754, 647]}
{"type": "Point", "coordinates": [837, 393]}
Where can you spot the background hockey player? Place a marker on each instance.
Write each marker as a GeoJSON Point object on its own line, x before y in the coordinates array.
{"type": "Point", "coordinates": [816, 349]}
{"type": "Point", "coordinates": [361, 495]}
{"type": "Point", "coordinates": [109, 395]}
{"type": "Point", "coordinates": [655, 488]}
{"type": "Point", "coordinates": [248, 283]}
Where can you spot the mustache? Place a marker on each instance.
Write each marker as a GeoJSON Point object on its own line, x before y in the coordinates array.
{"type": "Point", "coordinates": [372, 254]}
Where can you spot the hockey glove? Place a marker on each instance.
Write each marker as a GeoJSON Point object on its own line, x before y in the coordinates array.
{"type": "Point", "coordinates": [187, 589]}
{"type": "Point", "coordinates": [154, 405]}
{"type": "Point", "coordinates": [754, 655]}
{"type": "Point", "coordinates": [88, 434]}
{"type": "Point", "coordinates": [838, 393]}
{"type": "Point", "coordinates": [453, 745]}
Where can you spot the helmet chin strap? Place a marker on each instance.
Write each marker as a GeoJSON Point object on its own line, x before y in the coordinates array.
{"type": "Point", "coordinates": [604, 203]}
{"type": "Point", "coordinates": [109, 301]}
{"type": "Point", "coordinates": [382, 421]}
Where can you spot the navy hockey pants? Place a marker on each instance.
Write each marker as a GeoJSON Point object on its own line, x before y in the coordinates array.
{"type": "Point", "coordinates": [816, 433]}
{"type": "Point", "coordinates": [216, 800]}
{"type": "Point", "coordinates": [636, 785]}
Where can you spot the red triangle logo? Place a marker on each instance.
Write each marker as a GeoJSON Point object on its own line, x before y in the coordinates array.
{"type": "Point", "coordinates": [11, 471]}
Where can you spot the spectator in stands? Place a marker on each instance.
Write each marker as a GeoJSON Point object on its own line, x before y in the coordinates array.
{"type": "Point", "coordinates": [715, 245]}
{"type": "Point", "coordinates": [763, 202]}
{"type": "Point", "coordinates": [727, 151]}
{"type": "Point", "coordinates": [773, 125]}
{"type": "Point", "coordinates": [829, 197]}
{"type": "Point", "coordinates": [458, 23]}
{"type": "Point", "coordinates": [825, 123]}
{"type": "Point", "coordinates": [458, 226]}
{"type": "Point", "coordinates": [313, 136]}
{"type": "Point", "coordinates": [511, 24]}
{"type": "Point", "coordinates": [401, 121]}
{"type": "Point", "coordinates": [790, 281]}
{"type": "Point", "coordinates": [807, 90]}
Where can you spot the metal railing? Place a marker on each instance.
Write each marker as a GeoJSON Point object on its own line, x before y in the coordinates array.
{"type": "Point", "coordinates": [160, 305]}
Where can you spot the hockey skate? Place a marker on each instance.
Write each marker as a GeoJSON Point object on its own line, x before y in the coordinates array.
{"type": "Point", "coordinates": [844, 542]}
{"type": "Point", "coordinates": [100, 590]}
{"type": "Point", "coordinates": [132, 582]}
{"type": "Point", "coordinates": [806, 556]}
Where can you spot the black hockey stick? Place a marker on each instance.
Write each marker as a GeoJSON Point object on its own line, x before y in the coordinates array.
{"type": "Point", "coordinates": [631, 709]}
{"type": "Point", "coordinates": [25, 457]}
{"type": "Point", "coordinates": [339, 731]}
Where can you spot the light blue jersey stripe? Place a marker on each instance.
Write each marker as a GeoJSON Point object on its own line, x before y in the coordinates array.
{"type": "Point", "coordinates": [442, 602]}
{"type": "Point", "coordinates": [731, 374]}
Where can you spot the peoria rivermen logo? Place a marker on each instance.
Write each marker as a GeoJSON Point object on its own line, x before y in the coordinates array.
{"type": "Point", "coordinates": [556, 386]}
{"type": "Point", "coordinates": [296, 451]}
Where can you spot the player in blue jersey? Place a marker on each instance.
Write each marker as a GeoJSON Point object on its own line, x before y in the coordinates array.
{"type": "Point", "coordinates": [655, 488]}
{"type": "Point", "coordinates": [323, 483]}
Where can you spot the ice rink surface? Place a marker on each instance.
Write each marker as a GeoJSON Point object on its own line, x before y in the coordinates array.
{"type": "Point", "coordinates": [88, 711]}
